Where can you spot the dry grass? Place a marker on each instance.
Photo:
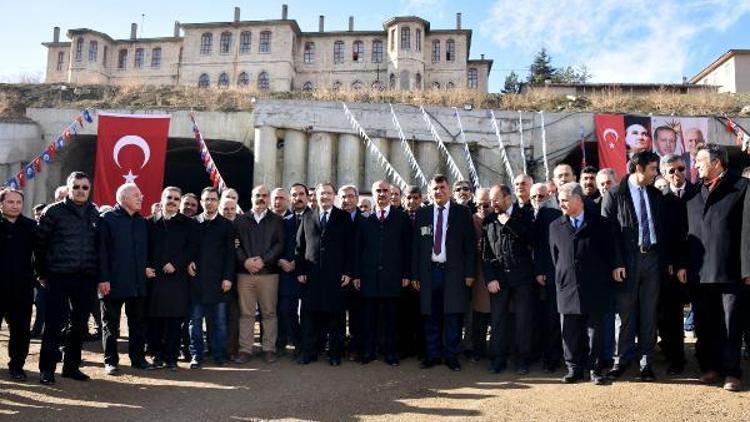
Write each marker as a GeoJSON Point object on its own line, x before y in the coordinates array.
{"type": "Point", "coordinates": [14, 98]}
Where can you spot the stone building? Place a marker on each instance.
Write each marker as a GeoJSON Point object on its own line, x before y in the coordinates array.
{"type": "Point", "coordinates": [731, 72]}
{"type": "Point", "coordinates": [274, 55]}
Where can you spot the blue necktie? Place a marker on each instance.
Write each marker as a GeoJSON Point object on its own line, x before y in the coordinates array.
{"type": "Point", "coordinates": [324, 219]}
{"type": "Point", "coordinates": [645, 229]}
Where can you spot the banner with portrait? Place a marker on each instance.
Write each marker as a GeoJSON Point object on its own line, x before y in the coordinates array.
{"type": "Point", "coordinates": [681, 136]}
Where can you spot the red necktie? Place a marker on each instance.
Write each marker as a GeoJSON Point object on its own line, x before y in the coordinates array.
{"type": "Point", "coordinates": [382, 215]}
{"type": "Point", "coordinates": [437, 248]}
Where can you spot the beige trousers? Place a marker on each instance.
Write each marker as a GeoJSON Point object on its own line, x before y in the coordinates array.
{"type": "Point", "coordinates": [262, 289]}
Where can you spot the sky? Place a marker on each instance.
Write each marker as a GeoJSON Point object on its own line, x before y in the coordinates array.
{"type": "Point", "coordinates": [617, 40]}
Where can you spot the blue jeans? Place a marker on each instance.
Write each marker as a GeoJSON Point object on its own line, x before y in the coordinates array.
{"type": "Point", "coordinates": [218, 316]}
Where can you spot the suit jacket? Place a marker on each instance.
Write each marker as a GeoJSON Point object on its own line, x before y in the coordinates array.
{"type": "Point", "coordinates": [508, 248]}
{"type": "Point", "coordinates": [619, 209]}
{"type": "Point", "coordinates": [719, 232]}
{"type": "Point", "coordinates": [542, 263]}
{"type": "Point", "coordinates": [324, 255]}
{"type": "Point", "coordinates": [583, 264]}
{"type": "Point", "coordinates": [676, 209]}
{"type": "Point", "coordinates": [480, 296]}
{"type": "Point", "coordinates": [382, 257]}
{"type": "Point", "coordinates": [215, 260]}
{"type": "Point", "coordinates": [288, 285]}
{"type": "Point", "coordinates": [460, 248]}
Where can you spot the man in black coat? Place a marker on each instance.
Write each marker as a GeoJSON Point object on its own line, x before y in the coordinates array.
{"type": "Point", "coordinates": [443, 270]}
{"type": "Point", "coordinates": [719, 263]}
{"type": "Point", "coordinates": [348, 197]}
{"type": "Point", "coordinates": [172, 246]}
{"type": "Point", "coordinates": [579, 246]}
{"type": "Point", "coordinates": [410, 324]}
{"type": "Point", "coordinates": [509, 273]}
{"type": "Point", "coordinates": [324, 260]}
{"type": "Point", "coordinates": [17, 235]}
{"type": "Point", "coordinates": [382, 268]}
{"type": "Point", "coordinates": [213, 276]}
{"type": "Point", "coordinates": [66, 258]}
{"type": "Point", "coordinates": [123, 254]}
{"type": "Point", "coordinates": [642, 236]}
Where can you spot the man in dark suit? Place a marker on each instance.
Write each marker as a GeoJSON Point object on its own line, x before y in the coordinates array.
{"type": "Point", "coordinates": [719, 263]}
{"type": "Point", "coordinates": [587, 180]}
{"type": "Point", "coordinates": [579, 245]}
{"type": "Point", "coordinates": [673, 295]}
{"type": "Point", "coordinates": [324, 259]}
{"type": "Point", "coordinates": [640, 228]}
{"type": "Point", "coordinates": [443, 270]}
{"type": "Point", "coordinates": [348, 197]}
{"type": "Point", "coordinates": [509, 273]}
{"type": "Point", "coordinates": [522, 189]}
{"type": "Point", "coordinates": [382, 268]}
{"type": "Point", "coordinates": [410, 324]}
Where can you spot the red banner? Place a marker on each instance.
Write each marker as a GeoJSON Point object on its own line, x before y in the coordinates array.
{"type": "Point", "coordinates": [610, 132]}
{"type": "Point", "coordinates": [130, 148]}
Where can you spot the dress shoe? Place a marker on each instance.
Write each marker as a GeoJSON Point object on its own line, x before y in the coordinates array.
{"type": "Point", "coordinates": [158, 364]}
{"type": "Point", "coordinates": [474, 359]}
{"type": "Point", "coordinates": [365, 359]}
{"type": "Point", "coordinates": [675, 370]}
{"type": "Point", "coordinates": [334, 361]}
{"type": "Point", "coordinates": [142, 365]}
{"type": "Point", "coordinates": [429, 363]}
{"type": "Point", "coordinates": [710, 377]}
{"type": "Point", "coordinates": [392, 360]}
{"type": "Point", "coordinates": [75, 374]}
{"type": "Point", "coordinates": [597, 378]}
{"type": "Point", "coordinates": [452, 364]}
{"type": "Point", "coordinates": [572, 377]}
{"type": "Point", "coordinates": [47, 378]}
{"type": "Point", "coordinates": [306, 360]}
{"type": "Point", "coordinates": [647, 374]}
{"type": "Point", "coordinates": [549, 368]}
{"type": "Point", "coordinates": [732, 384]}
{"type": "Point", "coordinates": [355, 357]}
{"type": "Point", "coordinates": [195, 364]}
{"type": "Point", "coordinates": [172, 366]}
{"type": "Point", "coordinates": [110, 369]}
{"type": "Point", "coordinates": [617, 371]}
{"type": "Point", "coordinates": [522, 369]}
{"type": "Point", "coordinates": [270, 357]}
{"type": "Point", "coordinates": [18, 375]}
{"type": "Point", "coordinates": [497, 366]}
{"type": "Point", "coordinates": [242, 358]}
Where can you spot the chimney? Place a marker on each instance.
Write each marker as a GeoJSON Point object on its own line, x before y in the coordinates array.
{"type": "Point", "coordinates": [133, 31]}
{"type": "Point", "coordinates": [351, 23]}
{"type": "Point", "coordinates": [684, 80]}
{"type": "Point", "coordinates": [482, 56]}
{"type": "Point", "coordinates": [321, 23]}
{"type": "Point", "coordinates": [458, 21]}
{"type": "Point", "coordinates": [56, 34]}
{"type": "Point", "coordinates": [236, 14]}
{"type": "Point", "coordinates": [284, 12]}
{"type": "Point", "coordinates": [176, 28]}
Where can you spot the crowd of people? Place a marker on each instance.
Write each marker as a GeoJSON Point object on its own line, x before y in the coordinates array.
{"type": "Point", "coordinates": [544, 270]}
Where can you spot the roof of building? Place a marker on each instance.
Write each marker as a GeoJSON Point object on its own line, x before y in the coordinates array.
{"type": "Point", "coordinates": [409, 19]}
{"type": "Point", "coordinates": [488, 62]}
{"type": "Point", "coordinates": [622, 85]}
{"type": "Point", "coordinates": [718, 62]}
{"type": "Point", "coordinates": [290, 22]}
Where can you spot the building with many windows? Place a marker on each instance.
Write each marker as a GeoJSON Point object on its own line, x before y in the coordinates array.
{"type": "Point", "coordinates": [274, 55]}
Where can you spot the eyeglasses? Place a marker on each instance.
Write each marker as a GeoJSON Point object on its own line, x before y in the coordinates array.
{"type": "Point", "coordinates": [484, 206]}
{"type": "Point", "coordinates": [673, 170]}
{"type": "Point", "coordinates": [173, 198]}
{"type": "Point", "coordinates": [382, 190]}
{"type": "Point", "coordinates": [538, 196]}
{"type": "Point", "coordinates": [81, 187]}
{"type": "Point", "coordinates": [462, 188]}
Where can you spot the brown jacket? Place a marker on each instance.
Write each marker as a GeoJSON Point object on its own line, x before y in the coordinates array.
{"type": "Point", "coordinates": [264, 239]}
{"type": "Point", "coordinates": [480, 296]}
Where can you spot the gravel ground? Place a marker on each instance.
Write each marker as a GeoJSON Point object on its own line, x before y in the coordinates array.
{"type": "Point", "coordinates": [286, 391]}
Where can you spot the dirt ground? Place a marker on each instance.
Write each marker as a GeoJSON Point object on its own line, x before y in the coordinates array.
{"type": "Point", "coordinates": [286, 391]}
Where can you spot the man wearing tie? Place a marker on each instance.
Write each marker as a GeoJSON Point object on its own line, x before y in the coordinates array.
{"type": "Point", "coordinates": [410, 324]}
{"type": "Point", "coordinates": [579, 243]}
{"type": "Point", "coordinates": [443, 269]}
{"type": "Point", "coordinates": [348, 196]}
{"type": "Point", "coordinates": [382, 268]}
{"type": "Point", "coordinates": [636, 214]}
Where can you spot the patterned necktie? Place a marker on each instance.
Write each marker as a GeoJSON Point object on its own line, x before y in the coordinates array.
{"type": "Point", "coordinates": [437, 248]}
{"type": "Point", "coordinates": [382, 216]}
{"type": "Point", "coordinates": [645, 229]}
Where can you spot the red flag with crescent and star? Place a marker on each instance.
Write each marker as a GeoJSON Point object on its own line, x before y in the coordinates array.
{"type": "Point", "coordinates": [610, 133]}
{"type": "Point", "coordinates": [130, 148]}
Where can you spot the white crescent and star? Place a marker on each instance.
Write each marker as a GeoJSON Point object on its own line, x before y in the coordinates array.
{"type": "Point", "coordinates": [136, 141]}
{"type": "Point", "coordinates": [613, 133]}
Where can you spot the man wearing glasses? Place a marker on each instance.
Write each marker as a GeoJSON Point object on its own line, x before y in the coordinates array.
{"type": "Point", "coordinates": [463, 194]}
{"type": "Point", "coordinates": [67, 264]}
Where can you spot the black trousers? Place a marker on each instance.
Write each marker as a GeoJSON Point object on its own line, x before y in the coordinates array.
{"type": "Point", "coordinates": [69, 301]}
{"type": "Point", "coordinates": [718, 326]}
{"type": "Point", "coordinates": [15, 305]}
{"type": "Point", "coordinates": [372, 319]}
{"type": "Point", "coordinates": [549, 325]}
{"type": "Point", "coordinates": [672, 298]}
{"type": "Point", "coordinates": [410, 324]}
{"type": "Point", "coordinates": [520, 296]}
{"type": "Point", "coordinates": [135, 309]}
{"type": "Point", "coordinates": [290, 330]}
{"type": "Point", "coordinates": [165, 338]}
{"type": "Point", "coordinates": [233, 326]}
{"type": "Point", "coordinates": [582, 341]}
{"type": "Point", "coordinates": [329, 324]}
{"type": "Point", "coordinates": [355, 309]}
{"type": "Point", "coordinates": [480, 323]}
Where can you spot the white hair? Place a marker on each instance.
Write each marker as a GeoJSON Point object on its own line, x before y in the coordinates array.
{"type": "Point", "coordinates": [123, 190]}
{"type": "Point", "coordinates": [571, 189]}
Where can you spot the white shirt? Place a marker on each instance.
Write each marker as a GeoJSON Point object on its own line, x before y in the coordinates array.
{"type": "Point", "coordinates": [634, 192]}
{"type": "Point", "coordinates": [442, 257]}
{"type": "Point", "coordinates": [387, 210]}
{"type": "Point", "coordinates": [509, 211]}
{"type": "Point", "coordinates": [675, 189]}
{"type": "Point", "coordinates": [260, 216]}
{"type": "Point", "coordinates": [326, 212]}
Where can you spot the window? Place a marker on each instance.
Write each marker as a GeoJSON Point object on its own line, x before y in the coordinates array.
{"type": "Point", "coordinates": [156, 57]}
{"type": "Point", "coordinates": [207, 41]}
{"type": "Point", "coordinates": [436, 85]}
{"type": "Point", "coordinates": [336, 86]}
{"type": "Point", "coordinates": [307, 87]}
{"type": "Point", "coordinates": [265, 42]}
{"type": "Point", "coordinates": [60, 60]}
{"type": "Point", "coordinates": [223, 80]}
{"type": "Point", "coordinates": [138, 64]}
{"type": "Point", "coordinates": [338, 52]}
{"type": "Point", "coordinates": [377, 51]}
{"type": "Point", "coordinates": [405, 38]}
{"type": "Point", "coordinates": [436, 51]}
{"type": "Point", "coordinates": [122, 59]}
{"type": "Point", "coordinates": [418, 39]}
{"type": "Point", "coordinates": [418, 81]}
{"type": "Point", "coordinates": [225, 43]}
{"type": "Point", "coordinates": [243, 79]}
{"type": "Point", "coordinates": [104, 56]}
{"type": "Point", "coordinates": [246, 38]}
{"type": "Point", "coordinates": [93, 50]}
{"type": "Point", "coordinates": [392, 81]}
{"type": "Point", "coordinates": [79, 49]}
{"type": "Point", "coordinates": [263, 82]}
{"type": "Point", "coordinates": [450, 51]}
{"type": "Point", "coordinates": [358, 52]}
{"type": "Point", "coordinates": [449, 85]}
{"type": "Point", "coordinates": [309, 52]}
{"type": "Point", "coordinates": [203, 81]}
{"type": "Point", "coordinates": [473, 78]}
{"type": "Point", "coordinates": [357, 85]}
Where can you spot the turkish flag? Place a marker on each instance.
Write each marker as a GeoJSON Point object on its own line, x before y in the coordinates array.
{"type": "Point", "coordinates": [130, 148]}
{"type": "Point", "coordinates": [610, 133]}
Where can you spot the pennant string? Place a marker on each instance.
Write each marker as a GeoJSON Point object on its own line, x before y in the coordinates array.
{"type": "Point", "coordinates": [441, 146]}
{"type": "Point", "coordinates": [467, 153]}
{"type": "Point", "coordinates": [419, 175]}
{"type": "Point", "coordinates": [208, 162]}
{"type": "Point", "coordinates": [501, 147]}
{"type": "Point", "coordinates": [544, 147]}
{"type": "Point", "coordinates": [520, 133]}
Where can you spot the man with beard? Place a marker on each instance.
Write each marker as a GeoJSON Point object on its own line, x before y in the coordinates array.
{"type": "Point", "coordinates": [355, 305]}
{"type": "Point", "coordinates": [463, 194]}
{"type": "Point", "coordinates": [591, 194]}
{"type": "Point", "coordinates": [605, 179]}
{"type": "Point", "coordinates": [521, 185]}
{"type": "Point", "coordinates": [324, 259]}
{"type": "Point", "coordinates": [189, 205]}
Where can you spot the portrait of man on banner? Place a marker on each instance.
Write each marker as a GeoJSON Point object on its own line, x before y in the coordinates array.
{"type": "Point", "coordinates": [637, 133]}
